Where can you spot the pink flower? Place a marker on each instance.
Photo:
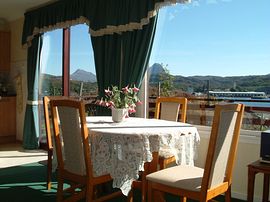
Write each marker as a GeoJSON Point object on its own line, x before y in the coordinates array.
{"type": "Point", "coordinates": [125, 90]}
{"type": "Point", "coordinates": [135, 89]}
{"type": "Point", "coordinates": [139, 103]}
{"type": "Point", "coordinates": [131, 110]}
{"type": "Point", "coordinates": [110, 104]}
{"type": "Point", "coordinates": [108, 92]}
{"type": "Point", "coordinates": [99, 102]}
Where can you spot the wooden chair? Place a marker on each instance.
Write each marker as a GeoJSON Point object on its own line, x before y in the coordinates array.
{"type": "Point", "coordinates": [216, 178]}
{"type": "Point", "coordinates": [74, 153]}
{"type": "Point", "coordinates": [46, 103]}
{"type": "Point", "coordinates": [48, 129]}
{"type": "Point", "coordinates": [168, 108]}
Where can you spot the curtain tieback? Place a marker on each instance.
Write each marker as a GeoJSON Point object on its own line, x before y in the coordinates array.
{"type": "Point", "coordinates": [33, 102]}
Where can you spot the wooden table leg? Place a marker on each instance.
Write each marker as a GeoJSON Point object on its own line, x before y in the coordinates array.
{"type": "Point", "coordinates": [265, 187]}
{"type": "Point", "coordinates": [251, 180]}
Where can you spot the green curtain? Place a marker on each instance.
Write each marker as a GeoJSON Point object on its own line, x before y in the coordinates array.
{"type": "Point", "coordinates": [122, 59]}
{"type": "Point", "coordinates": [31, 121]}
{"type": "Point", "coordinates": [103, 17]}
{"type": "Point", "coordinates": [107, 54]}
{"type": "Point", "coordinates": [136, 50]}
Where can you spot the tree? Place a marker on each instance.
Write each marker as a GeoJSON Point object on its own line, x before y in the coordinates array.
{"type": "Point", "coordinates": [166, 81]}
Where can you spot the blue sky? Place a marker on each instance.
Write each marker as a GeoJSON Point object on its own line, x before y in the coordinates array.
{"type": "Point", "coordinates": [215, 37]}
{"type": "Point", "coordinates": [206, 37]}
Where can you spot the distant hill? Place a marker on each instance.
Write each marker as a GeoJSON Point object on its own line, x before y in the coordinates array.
{"type": "Point", "coordinates": [82, 75]}
{"type": "Point", "coordinates": [256, 83]}
{"type": "Point", "coordinates": [199, 83]}
{"type": "Point", "coordinates": [156, 69]}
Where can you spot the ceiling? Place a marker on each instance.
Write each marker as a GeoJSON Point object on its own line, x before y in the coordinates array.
{"type": "Point", "coordinates": [13, 9]}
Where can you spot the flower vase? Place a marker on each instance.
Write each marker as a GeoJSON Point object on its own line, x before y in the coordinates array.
{"type": "Point", "coordinates": [118, 115]}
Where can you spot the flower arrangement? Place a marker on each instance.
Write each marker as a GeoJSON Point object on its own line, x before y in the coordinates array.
{"type": "Point", "coordinates": [125, 98]}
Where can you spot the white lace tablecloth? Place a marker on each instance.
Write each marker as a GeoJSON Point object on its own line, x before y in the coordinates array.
{"type": "Point", "coordinates": [121, 149]}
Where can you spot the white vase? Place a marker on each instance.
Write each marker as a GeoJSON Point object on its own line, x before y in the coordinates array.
{"type": "Point", "coordinates": [118, 115]}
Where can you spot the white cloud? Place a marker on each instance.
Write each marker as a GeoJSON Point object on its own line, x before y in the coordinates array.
{"type": "Point", "coordinates": [185, 7]}
{"type": "Point", "coordinates": [211, 1]}
{"type": "Point", "coordinates": [171, 16]}
{"type": "Point", "coordinates": [195, 3]}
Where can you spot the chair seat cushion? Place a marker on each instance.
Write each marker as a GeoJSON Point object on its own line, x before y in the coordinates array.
{"type": "Point", "coordinates": [186, 177]}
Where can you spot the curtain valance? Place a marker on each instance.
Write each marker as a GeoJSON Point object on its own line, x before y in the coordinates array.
{"type": "Point", "coordinates": [103, 17]}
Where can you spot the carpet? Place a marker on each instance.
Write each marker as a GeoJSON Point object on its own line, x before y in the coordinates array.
{"type": "Point", "coordinates": [27, 183]}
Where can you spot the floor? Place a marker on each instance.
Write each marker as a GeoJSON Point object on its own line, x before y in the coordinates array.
{"type": "Point", "coordinates": [14, 155]}
{"type": "Point", "coordinates": [32, 183]}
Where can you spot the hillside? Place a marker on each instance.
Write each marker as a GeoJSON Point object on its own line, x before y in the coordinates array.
{"type": "Point", "coordinates": [199, 83]}
{"type": "Point", "coordinates": [82, 75]}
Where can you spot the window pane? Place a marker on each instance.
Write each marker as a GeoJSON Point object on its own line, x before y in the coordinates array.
{"type": "Point", "coordinates": [51, 64]}
{"type": "Point", "coordinates": [50, 71]}
{"type": "Point", "coordinates": [82, 68]}
{"type": "Point", "coordinates": [210, 46]}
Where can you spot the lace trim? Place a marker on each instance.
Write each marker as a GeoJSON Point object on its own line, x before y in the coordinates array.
{"type": "Point", "coordinates": [109, 29]}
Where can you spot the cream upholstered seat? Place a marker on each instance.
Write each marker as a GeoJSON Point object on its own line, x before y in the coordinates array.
{"type": "Point", "coordinates": [216, 178]}
{"type": "Point", "coordinates": [170, 109]}
{"type": "Point", "coordinates": [73, 153]}
{"type": "Point", "coordinates": [50, 140]}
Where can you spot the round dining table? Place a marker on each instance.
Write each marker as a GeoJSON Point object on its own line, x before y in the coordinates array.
{"type": "Point", "coordinates": [121, 149]}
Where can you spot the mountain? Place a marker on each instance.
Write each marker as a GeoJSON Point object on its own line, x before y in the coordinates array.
{"type": "Point", "coordinates": [258, 83]}
{"type": "Point", "coordinates": [156, 69]}
{"type": "Point", "coordinates": [82, 75]}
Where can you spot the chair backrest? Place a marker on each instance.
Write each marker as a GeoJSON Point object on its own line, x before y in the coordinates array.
{"type": "Point", "coordinates": [47, 115]}
{"type": "Point", "coordinates": [48, 118]}
{"type": "Point", "coordinates": [222, 147]}
{"type": "Point", "coordinates": [167, 108]}
{"type": "Point", "coordinates": [71, 136]}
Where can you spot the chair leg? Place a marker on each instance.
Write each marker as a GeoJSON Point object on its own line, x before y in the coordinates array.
{"type": "Point", "coordinates": [60, 189]}
{"type": "Point", "coordinates": [149, 190]}
{"type": "Point", "coordinates": [89, 193]}
{"type": "Point", "coordinates": [130, 196]}
{"type": "Point", "coordinates": [49, 170]}
{"type": "Point", "coordinates": [183, 199]}
{"type": "Point", "coordinates": [228, 194]}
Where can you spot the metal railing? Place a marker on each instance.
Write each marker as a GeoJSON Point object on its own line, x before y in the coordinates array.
{"type": "Point", "coordinates": [200, 111]}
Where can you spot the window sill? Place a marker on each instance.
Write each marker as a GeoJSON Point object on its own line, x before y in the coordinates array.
{"type": "Point", "coordinates": [246, 136]}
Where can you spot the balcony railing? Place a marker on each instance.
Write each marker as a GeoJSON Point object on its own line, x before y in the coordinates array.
{"type": "Point", "coordinates": [200, 111]}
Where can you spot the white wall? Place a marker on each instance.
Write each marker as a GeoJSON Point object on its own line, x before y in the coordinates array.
{"type": "Point", "coordinates": [18, 69]}
{"type": "Point", "coordinates": [248, 151]}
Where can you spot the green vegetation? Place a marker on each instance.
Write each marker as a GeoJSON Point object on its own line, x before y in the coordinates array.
{"type": "Point", "coordinates": [52, 85]}
{"type": "Point", "coordinates": [259, 83]}
{"type": "Point", "coordinates": [166, 82]}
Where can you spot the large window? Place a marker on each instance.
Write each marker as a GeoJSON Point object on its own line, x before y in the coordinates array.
{"type": "Point", "coordinates": [82, 66]}
{"type": "Point", "coordinates": [202, 47]}
{"type": "Point", "coordinates": [67, 66]}
{"type": "Point", "coordinates": [51, 64]}
{"type": "Point", "coordinates": [214, 45]}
